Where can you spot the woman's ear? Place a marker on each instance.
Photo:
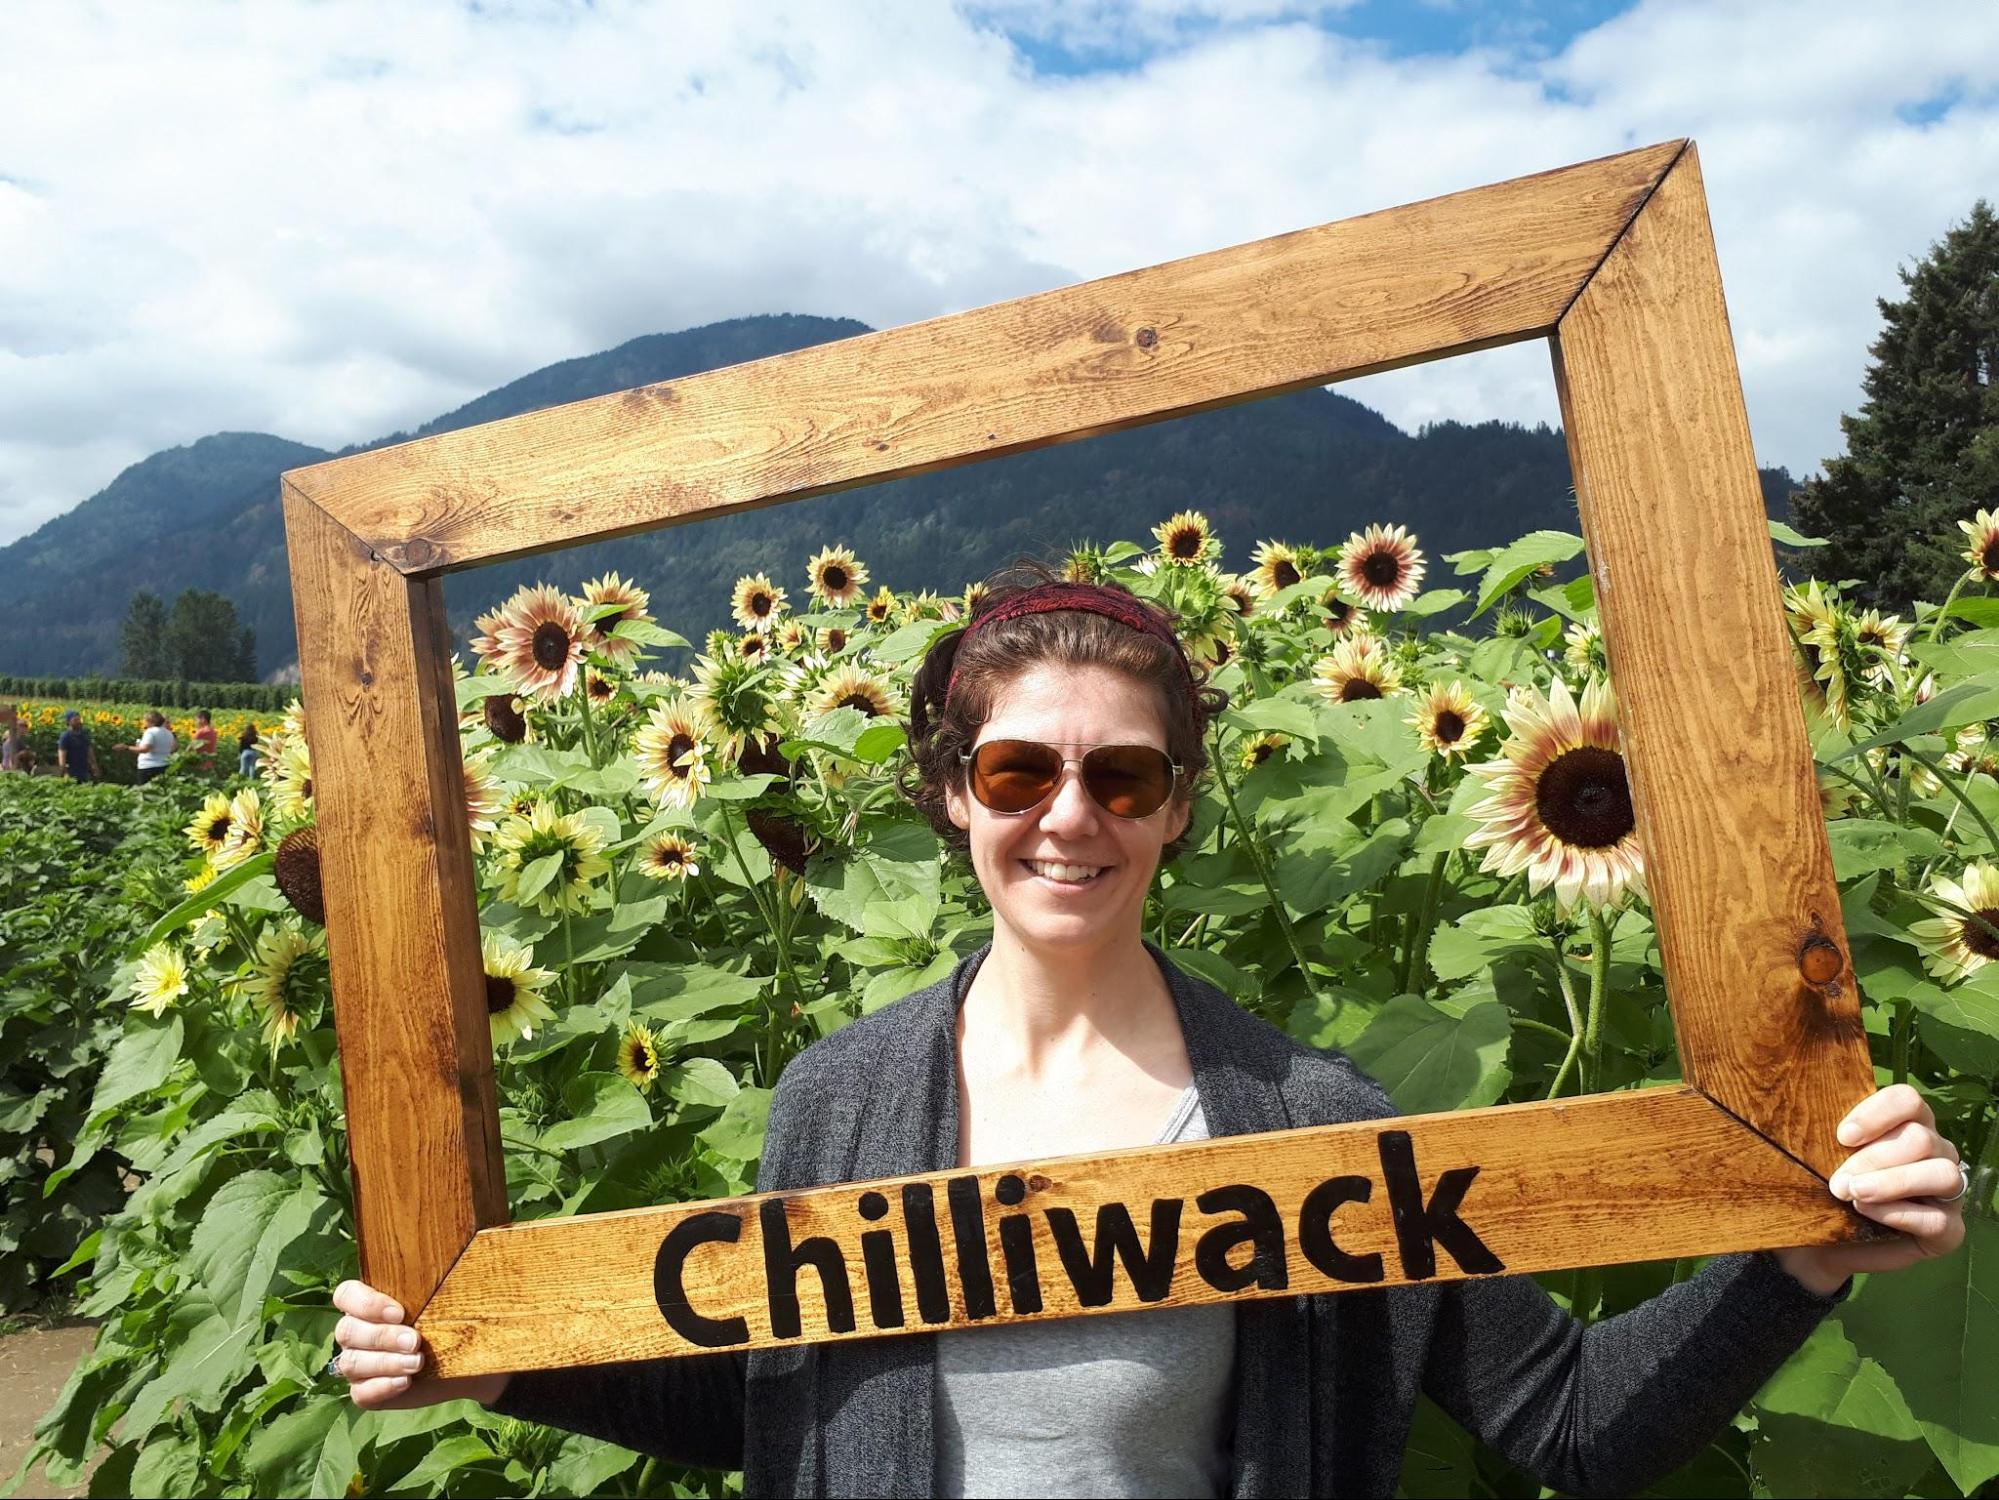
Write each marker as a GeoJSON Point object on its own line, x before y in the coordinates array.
{"type": "Point", "coordinates": [958, 806]}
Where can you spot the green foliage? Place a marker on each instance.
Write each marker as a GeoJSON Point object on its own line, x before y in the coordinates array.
{"type": "Point", "coordinates": [142, 640]}
{"type": "Point", "coordinates": [203, 641]}
{"type": "Point", "coordinates": [157, 692]}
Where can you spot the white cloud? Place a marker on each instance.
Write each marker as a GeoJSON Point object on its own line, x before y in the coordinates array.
{"type": "Point", "coordinates": [331, 222]}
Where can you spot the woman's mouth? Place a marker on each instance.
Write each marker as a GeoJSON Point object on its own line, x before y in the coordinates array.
{"type": "Point", "coordinates": [1062, 873]}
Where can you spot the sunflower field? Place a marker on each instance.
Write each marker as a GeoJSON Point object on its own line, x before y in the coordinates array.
{"type": "Point", "coordinates": [112, 724]}
{"type": "Point", "coordinates": [1416, 844]}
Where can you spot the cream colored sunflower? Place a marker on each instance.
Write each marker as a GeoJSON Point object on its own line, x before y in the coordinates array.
{"type": "Point", "coordinates": [1186, 540]}
{"type": "Point", "coordinates": [882, 607]}
{"type": "Point", "coordinates": [159, 980]}
{"type": "Point", "coordinates": [836, 577]}
{"type": "Point", "coordinates": [486, 644]}
{"type": "Point", "coordinates": [1381, 567]}
{"type": "Point", "coordinates": [287, 776]}
{"type": "Point", "coordinates": [672, 753]}
{"type": "Point", "coordinates": [1356, 669]}
{"type": "Point", "coordinates": [209, 830]}
{"type": "Point", "coordinates": [1982, 532]}
{"type": "Point", "coordinates": [976, 594]}
{"type": "Point", "coordinates": [1559, 804]}
{"type": "Point", "coordinates": [1822, 630]}
{"type": "Point", "coordinates": [851, 687]}
{"type": "Point", "coordinates": [833, 640]}
{"type": "Point", "coordinates": [631, 601]}
{"type": "Point", "coordinates": [638, 1056]}
{"type": "Point", "coordinates": [1276, 568]}
{"type": "Point", "coordinates": [246, 831]}
{"type": "Point", "coordinates": [514, 1003]}
{"type": "Point", "coordinates": [1583, 648]}
{"type": "Point", "coordinates": [523, 843]}
{"type": "Point", "coordinates": [732, 699]}
{"type": "Point", "coordinates": [485, 798]}
{"type": "Point", "coordinates": [1954, 944]}
{"type": "Point", "coordinates": [753, 647]}
{"type": "Point", "coordinates": [668, 856]}
{"type": "Point", "coordinates": [286, 978]}
{"type": "Point", "coordinates": [1241, 593]}
{"type": "Point", "coordinates": [542, 638]}
{"type": "Point", "coordinates": [1447, 720]}
{"type": "Point", "coordinates": [1885, 638]}
{"type": "Point", "coordinates": [1343, 619]}
{"type": "Point", "coordinates": [757, 603]}
{"type": "Point", "coordinates": [793, 636]}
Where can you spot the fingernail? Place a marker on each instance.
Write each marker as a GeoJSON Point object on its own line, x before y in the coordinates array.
{"type": "Point", "coordinates": [400, 1382]}
{"type": "Point", "coordinates": [406, 1340]}
{"type": "Point", "coordinates": [412, 1362]}
{"type": "Point", "coordinates": [1838, 1184]}
{"type": "Point", "coordinates": [393, 1314]}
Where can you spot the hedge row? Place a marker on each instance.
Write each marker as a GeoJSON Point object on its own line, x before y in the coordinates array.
{"type": "Point", "coordinates": [160, 693]}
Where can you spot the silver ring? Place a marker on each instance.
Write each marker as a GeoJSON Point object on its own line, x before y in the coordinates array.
{"type": "Point", "coordinates": [1963, 1183]}
{"type": "Point", "coordinates": [332, 1370]}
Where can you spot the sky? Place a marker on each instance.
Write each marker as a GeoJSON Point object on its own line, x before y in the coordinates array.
{"type": "Point", "coordinates": [335, 219]}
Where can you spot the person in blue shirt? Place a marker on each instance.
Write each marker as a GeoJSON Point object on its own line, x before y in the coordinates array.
{"type": "Point", "coordinates": [76, 757]}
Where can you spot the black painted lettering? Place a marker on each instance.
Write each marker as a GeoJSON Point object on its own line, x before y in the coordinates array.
{"type": "Point", "coordinates": [968, 1234]}
{"type": "Point", "coordinates": [1260, 1228]}
{"type": "Point", "coordinates": [884, 1280]}
{"type": "Point", "coordinates": [1315, 1230]}
{"type": "Point", "coordinates": [1023, 1273]}
{"type": "Point", "coordinates": [1420, 1227]}
{"type": "Point", "coordinates": [667, 1290]}
{"type": "Point", "coordinates": [926, 1253]}
{"type": "Point", "coordinates": [1150, 1268]}
{"type": "Point", "coordinates": [782, 1261]}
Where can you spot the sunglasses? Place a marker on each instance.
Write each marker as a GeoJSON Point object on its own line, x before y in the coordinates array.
{"type": "Point", "coordinates": [1017, 776]}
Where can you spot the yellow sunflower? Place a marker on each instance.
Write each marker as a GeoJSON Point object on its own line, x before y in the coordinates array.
{"type": "Point", "coordinates": [833, 640]}
{"type": "Point", "coordinates": [1357, 669]}
{"type": "Point", "coordinates": [668, 856]}
{"type": "Point", "coordinates": [205, 876]}
{"type": "Point", "coordinates": [601, 689]}
{"type": "Point", "coordinates": [881, 608]}
{"type": "Point", "coordinates": [731, 699]}
{"type": "Point", "coordinates": [514, 1005]}
{"type": "Point", "coordinates": [210, 829]}
{"type": "Point", "coordinates": [526, 843]}
{"type": "Point", "coordinates": [1583, 648]}
{"type": "Point", "coordinates": [1560, 807]}
{"type": "Point", "coordinates": [850, 687]}
{"type": "Point", "coordinates": [638, 1056]}
{"type": "Point", "coordinates": [1886, 637]}
{"type": "Point", "coordinates": [631, 601]}
{"type": "Point", "coordinates": [1381, 568]}
{"type": "Point", "coordinates": [1982, 532]}
{"type": "Point", "coordinates": [160, 979]}
{"type": "Point", "coordinates": [246, 831]}
{"type": "Point", "coordinates": [753, 647]}
{"type": "Point", "coordinates": [673, 754]}
{"type": "Point", "coordinates": [793, 635]}
{"type": "Point", "coordinates": [975, 595]}
{"type": "Point", "coordinates": [1276, 568]}
{"type": "Point", "coordinates": [1255, 752]}
{"type": "Point", "coordinates": [757, 602]}
{"type": "Point", "coordinates": [1084, 564]}
{"type": "Point", "coordinates": [836, 577]}
{"type": "Point", "coordinates": [542, 637]}
{"type": "Point", "coordinates": [287, 776]}
{"type": "Point", "coordinates": [1186, 539]}
{"type": "Point", "coordinates": [1447, 721]}
{"type": "Point", "coordinates": [286, 977]}
{"type": "Point", "coordinates": [1954, 945]}
{"type": "Point", "coordinates": [1821, 627]}
{"type": "Point", "coordinates": [1241, 593]}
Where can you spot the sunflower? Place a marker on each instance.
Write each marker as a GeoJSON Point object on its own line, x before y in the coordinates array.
{"type": "Point", "coordinates": [673, 754]}
{"type": "Point", "coordinates": [753, 647]}
{"type": "Point", "coordinates": [668, 856]}
{"type": "Point", "coordinates": [638, 1056]}
{"type": "Point", "coordinates": [486, 644]}
{"type": "Point", "coordinates": [836, 577]}
{"type": "Point", "coordinates": [1583, 648]}
{"type": "Point", "coordinates": [210, 829]}
{"type": "Point", "coordinates": [756, 602]}
{"type": "Point", "coordinates": [833, 640]}
{"type": "Point", "coordinates": [732, 701]}
{"type": "Point", "coordinates": [1982, 531]}
{"type": "Point", "coordinates": [1447, 720]}
{"type": "Point", "coordinates": [246, 830]}
{"type": "Point", "coordinates": [1560, 807]}
{"type": "Point", "coordinates": [514, 1006]}
{"type": "Point", "coordinates": [296, 871]}
{"type": "Point", "coordinates": [484, 800]}
{"type": "Point", "coordinates": [793, 635]}
{"type": "Point", "coordinates": [924, 606]}
{"type": "Point", "coordinates": [850, 687]}
{"type": "Point", "coordinates": [1829, 649]}
{"type": "Point", "coordinates": [631, 601]}
{"type": "Point", "coordinates": [1836, 798]}
{"type": "Point", "coordinates": [1955, 945]}
{"type": "Point", "coordinates": [542, 636]}
{"type": "Point", "coordinates": [287, 777]}
{"type": "Point", "coordinates": [1276, 568]}
{"type": "Point", "coordinates": [881, 608]}
{"type": "Point", "coordinates": [1886, 637]}
{"type": "Point", "coordinates": [1381, 568]}
{"type": "Point", "coordinates": [1358, 668]}
{"type": "Point", "coordinates": [1186, 539]}
{"type": "Point", "coordinates": [525, 842]}
{"type": "Point", "coordinates": [1084, 564]}
{"type": "Point", "coordinates": [1342, 617]}
{"type": "Point", "coordinates": [205, 876]}
{"type": "Point", "coordinates": [1255, 752]}
{"type": "Point", "coordinates": [288, 974]}
{"type": "Point", "coordinates": [502, 713]}
{"type": "Point", "coordinates": [160, 979]}
{"type": "Point", "coordinates": [1241, 593]}
{"type": "Point", "coordinates": [601, 689]}
{"type": "Point", "coordinates": [976, 593]}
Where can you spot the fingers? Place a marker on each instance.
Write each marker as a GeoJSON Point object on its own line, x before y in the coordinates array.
{"type": "Point", "coordinates": [370, 1394]}
{"type": "Point", "coordinates": [1940, 1229]}
{"type": "Point", "coordinates": [1932, 1177]}
{"type": "Point", "coordinates": [360, 1365]}
{"type": "Point", "coordinates": [1883, 1110]}
{"type": "Point", "coordinates": [362, 1301]}
{"type": "Point", "coordinates": [352, 1333]}
{"type": "Point", "coordinates": [1912, 1141]}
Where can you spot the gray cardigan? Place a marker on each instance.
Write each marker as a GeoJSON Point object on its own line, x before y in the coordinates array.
{"type": "Point", "coordinates": [1325, 1385]}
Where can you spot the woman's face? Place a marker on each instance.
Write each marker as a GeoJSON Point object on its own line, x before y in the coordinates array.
{"type": "Point", "coordinates": [1028, 862]}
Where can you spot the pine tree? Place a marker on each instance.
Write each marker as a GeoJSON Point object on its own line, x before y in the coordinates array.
{"type": "Point", "coordinates": [246, 657]}
{"type": "Point", "coordinates": [143, 638]}
{"type": "Point", "coordinates": [203, 640]}
{"type": "Point", "coordinates": [1923, 452]}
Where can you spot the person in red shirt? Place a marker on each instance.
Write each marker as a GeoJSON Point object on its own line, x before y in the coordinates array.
{"type": "Point", "coordinates": [204, 736]}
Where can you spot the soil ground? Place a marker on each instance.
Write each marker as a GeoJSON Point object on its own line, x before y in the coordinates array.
{"type": "Point", "coordinates": [34, 1363]}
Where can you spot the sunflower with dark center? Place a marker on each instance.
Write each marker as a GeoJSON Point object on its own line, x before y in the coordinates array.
{"type": "Point", "coordinates": [1186, 539]}
{"type": "Point", "coordinates": [881, 608]}
{"type": "Point", "coordinates": [1829, 654]}
{"type": "Point", "coordinates": [1255, 752]}
{"type": "Point", "coordinates": [1241, 594]}
{"type": "Point", "coordinates": [1342, 617]}
{"type": "Point", "coordinates": [1447, 719]}
{"type": "Point", "coordinates": [756, 602]}
{"type": "Point", "coordinates": [1357, 668]}
{"type": "Point", "coordinates": [672, 753]}
{"type": "Point", "coordinates": [1982, 533]}
{"type": "Point", "coordinates": [1956, 942]}
{"type": "Point", "coordinates": [1276, 567]}
{"type": "Point", "coordinates": [246, 831]}
{"type": "Point", "coordinates": [793, 635]}
{"type": "Point", "coordinates": [833, 640]}
{"type": "Point", "coordinates": [514, 1003]}
{"type": "Point", "coordinates": [851, 687]}
{"type": "Point", "coordinates": [784, 839]}
{"type": "Point", "coordinates": [542, 636]}
{"type": "Point", "coordinates": [503, 717]}
{"type": "Point", "coordinates": [668, 856]}
{"type": "Point", "coordinates": [753, 647]}
{"type": "Point", "coordinates": [209, 830]}
{"type": "Point", "coordinates": [638, 1056]}
{"type": "Point", "coordinates": [631, 600]}
{"type": "Point", "coordinates": [975, 595]}
{"type": "Point", "coordinates": [296, 871]}
{"type": "Point", "coordinates": [836, 577]}
{"type": "Point", "coordinates": [1885, 637]}
{"type": "Point", "coordinates": [1559, 805]}
{"type": "Point", "coordinates": [485, 799]}
{"type": "Point", "coordinates": [287, 776]}
{"type": "Point", "coordinates": [1381, 567]}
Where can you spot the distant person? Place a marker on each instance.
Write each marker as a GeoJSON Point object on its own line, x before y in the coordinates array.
{"type": "Point", "coordinates": [247, 752]}
{"type": "Point", "coordinates": [76, 757]}
{"type": "Point", "coordinates": [204, 737]}
{"type": "Point", "coordinates": [155, 746]}
{"type": "Point", "coordinates": [11, 746]}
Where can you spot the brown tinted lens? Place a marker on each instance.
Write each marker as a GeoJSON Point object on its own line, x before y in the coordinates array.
{"type": "Point", "coordinates": [1010, 776]}
{"type": "Point", "coordinates": [1132, 781]}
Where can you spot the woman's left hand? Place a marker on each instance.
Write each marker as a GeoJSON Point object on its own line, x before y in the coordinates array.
{"type": "Point", "coordinates": [1899, 1170]}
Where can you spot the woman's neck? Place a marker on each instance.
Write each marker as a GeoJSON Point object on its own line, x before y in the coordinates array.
{"type": "Point", "coordinates": [1036, 1012]}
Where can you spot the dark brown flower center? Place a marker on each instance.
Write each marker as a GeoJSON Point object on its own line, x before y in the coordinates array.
{"type": "Point", "coordinates": [676, 747]}
{"type": "Point", "coordinates": [760, 604]}
{"type": "Point", "coordinates": [1988, 557]}
{"type": "Point", "coordinates": [218, 830]}
{"type": "Point", "coordinates": [1285, 573]}
{"type": "Point", "coordinates": [1186, 542]}
{"type": "Point", "coordinates": [836, 640]}
{"type": "Point", "coordinates": [1222, 651]}
{"type": "Point", "coordinates": [551, 646]}
{"type": "Point", "coordinates": [1261, 752]}
{"type": "Point", "coordinates": [1976, 938]}
{"type": "Point", "coordinates": [833, 578]}
{"type": "Point", "coordinates": [1583, 799]}
{"type": "Point", "coordinates": [500, 994]}
{"type": "Point", "coordinates": [668, 857]}
{"type": "Point", "coordinates": [861, 701]}
{"type": "Point", "coordinates": [1449, 727]}
{"type": "Point", "coordinates": [1381, 569]}
{"type": "Point", "coordinates": [505, 720]}
{"type": "Point", "coordinates": [1357, 688]}
{"type": "Point", "coordinates": [600, 688]}
{"type": "Point", "coordinates": [1337, 611]}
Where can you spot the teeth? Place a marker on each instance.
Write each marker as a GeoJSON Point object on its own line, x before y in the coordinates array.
{"type": "Point", "coordinates": [1070, 874]}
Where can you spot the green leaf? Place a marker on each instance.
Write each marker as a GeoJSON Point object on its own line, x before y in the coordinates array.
{"type": "Point", "coordinates": [202, 900]}
{"type": "Point", "coordinates": [739, 1134]}
{"type": "Point", "coordinates": [678, 992]}
{"type": "Point", "coordinates": [586, 1464]}
{"type": "Point", "coordinates": [202, 1367]}
{"type": "Point", "coordinates": [890, 886]}
{"type": "Point", "coordinates": [700, 1081]}
{"type": "Point", "coordinates": [170, 1466]}
{"type": "Point", "coordinates": [1960, 704]}
{"type": "Point", "coordinates": [535, 877]}
{"type": "Point", "coordinates": [1429, 1060]}
{"type": "Point", "coordinates": [246, 1226]}
{"type": "Point", "coordinates": [646, 633]}
{"type": "Point", "coordinates": [1970, 1006]}
{"type": "Point", "coordinates": [447, 1457]}
{"type": "Point", "coordinates": [338, 1461]}
{"type": "Point", "coordinates": [1934, 1326]}
{"type": "Point", "coordinates": [472, 690]}
{"type": "Point", "coordinates": [1863, 844]}
{"type": "Point", "coordinates": [1779, 532]}
{"type": "Point", "coordinates": [1829, 1380]}
{"type": "Point", "coordinates": [892, 984]}
{"type": "Point", "coordinates": [1318, 879]}
{"type": "Point", "coordinates": [1281, 716]}
{"type": "Point", "coordinates": [878, 742]}
{"type": "Point", "coordinates": [140, 1063]}
{"type": "Point", "coordinates": [1516, 560]}
{"type": "Point", "coordinates": [1433, 602]}
{"type": "Point", "coordinates": [910, 642]}
{"type": "Point", "coordinates": [600, 1106]}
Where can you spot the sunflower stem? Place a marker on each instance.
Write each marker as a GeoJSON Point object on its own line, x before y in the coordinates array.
{"type": "Point", "coordinates": [1936, 623]}
{"type": "Point", "coordinates": [589, 730]}
{"type": "Point", "coordinates": [1599, 993]}
{"type": "Point", "coordinates": [1257, 858]}
{"type": "Point", "coordinates": [1902, 1035]}
{"type": "Point", "coordinates": [1420, 924]}
{"type": "Point", "coordinates": [568, 956]}
{"type": "Point", "coordinates": [1873, 790]}
{"type": "Point", "coordinates": [1575, 1038]}
{"type": "Point", "coordinates": [773, 1032]}
{"type": "Point", "coordinates": [1937, 770]}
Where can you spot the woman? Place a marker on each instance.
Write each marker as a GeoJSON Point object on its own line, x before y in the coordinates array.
{"type": "Point", "coordinates": [1057, 740]}
{"type": "Point", "coordinates": [247, 753]}
{"type": "Point", "coordinates": [154, 747]}
{"type": "Point", "coordinates": [12, 744]}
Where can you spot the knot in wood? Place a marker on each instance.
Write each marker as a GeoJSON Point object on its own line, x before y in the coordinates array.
{"type": "Point", "coordinates": [1147, 338]}
{"type": "Point", "coordinates": [1820, 961]}
{"type": "Point", "coordinates": [418, 553]}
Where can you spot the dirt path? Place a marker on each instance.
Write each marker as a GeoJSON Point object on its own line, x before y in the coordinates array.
{"type": "Point", "coordinates": [33, 1366]}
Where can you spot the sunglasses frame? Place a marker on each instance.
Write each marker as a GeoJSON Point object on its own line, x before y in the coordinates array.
{"type": "Point", "coordinates": [966, 757]}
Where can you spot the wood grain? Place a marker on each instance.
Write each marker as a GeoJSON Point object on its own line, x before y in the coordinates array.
{"type": "Point", "coordinates": [1445, 276]}
{"type": "Point", "coordinates": [1737, 864]}
{"type": "Point", "coordinates": [1601, 1180]}
{"type": "Point", "coordinates": [402, 926]}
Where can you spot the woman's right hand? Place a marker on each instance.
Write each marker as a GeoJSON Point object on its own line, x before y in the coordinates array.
{"type": "Point", "coordinates": [382, 1358]}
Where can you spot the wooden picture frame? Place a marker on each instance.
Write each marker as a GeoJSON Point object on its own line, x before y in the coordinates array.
{"type": "Point", "coordinates": [1613, 262]}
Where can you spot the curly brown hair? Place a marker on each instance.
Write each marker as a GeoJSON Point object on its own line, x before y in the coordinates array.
{"type": "Point", "coordinates": [939, 730]}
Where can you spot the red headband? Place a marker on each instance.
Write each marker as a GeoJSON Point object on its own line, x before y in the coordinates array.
{"type": "Point", "coordinates": [1087, 598]}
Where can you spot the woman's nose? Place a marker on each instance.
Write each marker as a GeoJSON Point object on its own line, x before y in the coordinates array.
{"type": "Point", "coordinates": [1070, 810]}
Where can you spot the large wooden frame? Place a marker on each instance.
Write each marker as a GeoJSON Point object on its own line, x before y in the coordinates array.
{"type": "Point", "coordinates": [1614, 263]}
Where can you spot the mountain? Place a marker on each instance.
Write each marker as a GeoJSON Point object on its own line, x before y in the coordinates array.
{"type": "Point", "coordinates": [1310, 466]}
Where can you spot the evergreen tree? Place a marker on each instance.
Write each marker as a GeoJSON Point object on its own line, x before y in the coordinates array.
{"type": "Point", "coordinates": [246, 657]}
{"type": "Point", "coordinates": [203, 640]}
{"type": "Point", "coordinates": [1923, 453]}
{"type": "Point", "coordinates": [143, 637]}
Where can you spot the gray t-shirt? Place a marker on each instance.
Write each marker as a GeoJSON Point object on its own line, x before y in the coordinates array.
{"type": "Point", "coordinates": [1113, 1404]}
